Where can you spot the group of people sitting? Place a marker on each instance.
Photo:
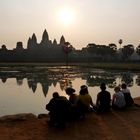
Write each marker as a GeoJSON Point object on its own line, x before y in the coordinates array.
{"type": "Point", "coordinates": [62, 109]}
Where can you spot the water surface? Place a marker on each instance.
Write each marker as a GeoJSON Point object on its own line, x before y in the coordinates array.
{"type": "Point", "coordinates": [29, 89]}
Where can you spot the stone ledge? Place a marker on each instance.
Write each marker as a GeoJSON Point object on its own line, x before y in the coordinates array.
{"type": "Point", "coordinates": [18, 117]}
{"type": "Point", "coordinates": [43, 116]}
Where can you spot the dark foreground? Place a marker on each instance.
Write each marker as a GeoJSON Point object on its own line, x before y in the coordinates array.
{"type": "Point", "coordinates": [111, 126]}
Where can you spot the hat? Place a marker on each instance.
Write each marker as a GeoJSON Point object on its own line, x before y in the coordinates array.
{"type": "Point", "coordinates": [83, 87]}
{"type": "Point", "coordinates": [69, 90]}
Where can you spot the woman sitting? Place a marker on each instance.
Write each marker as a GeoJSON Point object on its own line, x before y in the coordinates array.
{"type": "Point", "coordinates": [127, 95]}
{"type": "Point", "coordinates": [85, 101]}
{"type": "Point", "coordinates": [118, 101]}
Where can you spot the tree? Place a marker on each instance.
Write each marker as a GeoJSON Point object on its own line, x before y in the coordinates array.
{"type": "Point", "coordinates": [67, 48]}
{"type": "Point", "coordinates": [3, 47]}
{"type": "Point", "coordinates": [120, 42]}
{"type": "Point", "coordinates": [138, 50]}
{"type": "Point", "coordinates": [113, 48]}
{"type": "Point", "coordinates": [127, 51]}
{"type": "Point", "coordinates": [92, 48]}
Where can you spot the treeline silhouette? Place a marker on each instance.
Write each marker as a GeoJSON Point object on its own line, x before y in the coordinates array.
{"type": "Point", "coordinates": [51, 51]}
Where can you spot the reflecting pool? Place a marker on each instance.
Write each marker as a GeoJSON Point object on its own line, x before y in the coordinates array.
{"type": "Point", "coordinates": [28, 89]}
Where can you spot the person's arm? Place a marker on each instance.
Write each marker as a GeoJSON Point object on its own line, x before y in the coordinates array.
{"type": "Point", "coordinates": [97, 101]}
{"type": "Point", "coordinates": [49, 105]}
{"type": "Point", "coordinates": [113, 98]}
{"type": "Point", "coordinates": [110, 98]}
{"type": "Point", "coordinates": [91, 103]}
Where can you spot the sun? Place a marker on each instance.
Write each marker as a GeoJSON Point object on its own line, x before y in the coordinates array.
{"type": "Point", "coordinates": [66, 16]}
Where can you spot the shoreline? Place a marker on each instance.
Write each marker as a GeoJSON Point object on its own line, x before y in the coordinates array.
{"type": "Point", "coordinates": [98, 65]}
{"type": "Point", "coordinates": [107, 126]}
{"type": "Point", "coordinates": [22, 116]}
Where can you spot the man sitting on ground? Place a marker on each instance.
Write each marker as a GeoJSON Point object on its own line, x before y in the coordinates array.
{"type": "Point", "coordinates": [103, 99]}
{"type": "Point", "coordinates": [59, 110]}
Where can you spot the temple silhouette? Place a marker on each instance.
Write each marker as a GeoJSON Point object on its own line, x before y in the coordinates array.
{"type": "Point", "coordinates": [45, 51]}
{"type": "Point", "coordinates": [62, 51]}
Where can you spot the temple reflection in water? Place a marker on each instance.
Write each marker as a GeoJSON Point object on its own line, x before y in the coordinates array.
{"type": "Point", "coordinates": [47, 76]}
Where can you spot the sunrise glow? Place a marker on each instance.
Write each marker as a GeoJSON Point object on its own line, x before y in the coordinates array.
{"type": "Point", "coordinates": [66, 16]}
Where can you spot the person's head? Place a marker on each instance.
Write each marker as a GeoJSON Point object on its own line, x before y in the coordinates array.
{"type": "Point", "coordinates": [55, 95]}
{"type": "Point", "coordinates": [69, 91]}
{"type": "Point", "coordinates": [123, 86]}
{"type": "Point", "coordinates": [103, 86]}
{"type": "Point", "coordinates": [84, 90]}
{"type": "Point", "coordinates": [117, 89]}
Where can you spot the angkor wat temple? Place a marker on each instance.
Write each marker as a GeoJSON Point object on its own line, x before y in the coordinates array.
{"type": "Point", "coordinates": [52, 51]}
{"type": "Point", "coordinates": [45, 51]}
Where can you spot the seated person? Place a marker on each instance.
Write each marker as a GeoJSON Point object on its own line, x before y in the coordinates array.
{"type": "Point", "coordinates": [85, 101]}
{"type": "Point", "coordinates": [59, 110]}
{"type": "Point", "coordinates": [73, 99]}
{"type": "Point", "coordinates": [103, 99]}
{"type": "Point", "coordinates": [127, 95]}
{"type": "Point", "coordinates": [118, 101]}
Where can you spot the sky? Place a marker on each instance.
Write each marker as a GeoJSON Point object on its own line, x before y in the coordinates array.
{"type": "Point", "coordinates": [80, 21]}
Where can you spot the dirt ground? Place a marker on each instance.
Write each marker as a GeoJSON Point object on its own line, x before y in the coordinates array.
{"type": "Point", "coordinates": [115, 125]}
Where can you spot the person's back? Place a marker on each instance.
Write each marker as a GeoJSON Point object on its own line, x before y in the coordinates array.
{"type": "Point", "coordinates": [59, 108]}
{"type": "Point", "coordinates": [103, 99]}
{"type": "Point", "coordinates": [73, 98]}
{"type": "Point", "coordinates": [118, 101]}
{"type": "Point", "coordinates": [85, 101]}
{"type": "Point", "coordinates": [127, 95]}
{"type": "Point", "coordinates": [51, 106]}
{"type": "Point", "coordinates": [84, 97]}
{"type": "Point", "coordinates": [62, 105]}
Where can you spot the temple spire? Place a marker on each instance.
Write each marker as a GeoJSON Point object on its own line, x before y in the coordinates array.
{"type": "Point", "coordinates": [62, 40]}
{"type": "Point", "coordinates": [45, 36]}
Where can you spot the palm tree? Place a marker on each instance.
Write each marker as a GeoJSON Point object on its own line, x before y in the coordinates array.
{"type": "Point", "coordinates": [67, 48]}
{"type": "Point", "coordinates": [120, 42]}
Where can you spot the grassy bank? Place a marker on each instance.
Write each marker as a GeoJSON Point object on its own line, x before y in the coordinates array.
{"type": "Point", "coordinates": [117, 66]}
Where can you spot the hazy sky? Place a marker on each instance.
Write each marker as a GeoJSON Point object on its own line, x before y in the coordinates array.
{"type": "Point", "coordinates": [93, 21]}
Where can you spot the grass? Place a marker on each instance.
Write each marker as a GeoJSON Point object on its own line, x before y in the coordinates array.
{"type": "Point", "coordinates": [117, 66]}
